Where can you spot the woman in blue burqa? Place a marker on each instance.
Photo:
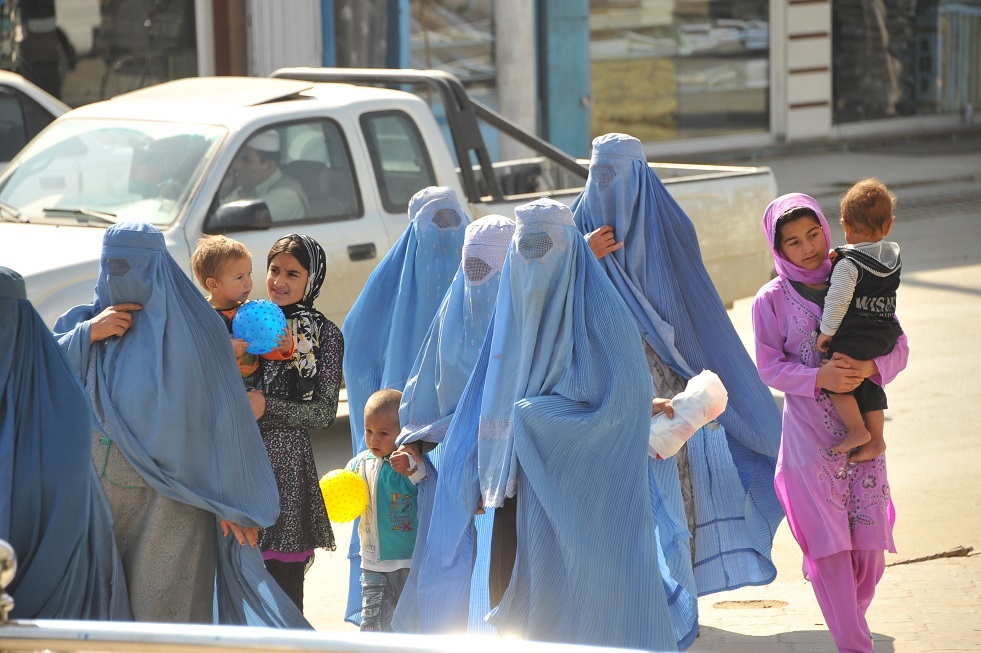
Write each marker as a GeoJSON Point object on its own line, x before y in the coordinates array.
{"type": "Point", "coordinates": [439, 375]}
{"type": "Point", "coordinates": [560, 402]}
{"type": "Point", "coordinates": [174, 440]}
{"type": "Point", "coordinates": [52, 509]}
{"type": "Point", "coordinates": [724, 473]}
{"type": "Point", "coordinates": [388, 322]}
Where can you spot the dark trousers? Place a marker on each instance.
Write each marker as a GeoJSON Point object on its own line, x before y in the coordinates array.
{"type": "Point", "coordinates": [504, 546]}
{"type": "Point", "coordinates": [289, 576]}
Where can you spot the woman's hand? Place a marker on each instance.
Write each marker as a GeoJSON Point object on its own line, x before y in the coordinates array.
{"type": "Point", "coordinates": [837, 375]}
{"type": "Point", "coordinates": [660, 405]}
{"type": "Point", "coordinates": [865, 368]}
{"type": "Point", "coordinates": [284, 341]}
{"type": "Point", "coordinates": [114, 321]}
{"type": "Point", "coordinates": [243, 534]}
{"type": "Point", "coordinates": [602, 241]}
{"type": "Point", "coordinates": [257, 401]}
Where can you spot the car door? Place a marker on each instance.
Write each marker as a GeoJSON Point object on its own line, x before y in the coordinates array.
{"type": "Point", "coordinates": [315, 159]}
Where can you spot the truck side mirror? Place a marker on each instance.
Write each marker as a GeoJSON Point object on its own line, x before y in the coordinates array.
{"type": "Point", "coordinates": [240, 215]}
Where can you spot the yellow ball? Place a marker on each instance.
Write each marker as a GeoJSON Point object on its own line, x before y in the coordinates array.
{"type": "Point", "coordinates": [345, 495]}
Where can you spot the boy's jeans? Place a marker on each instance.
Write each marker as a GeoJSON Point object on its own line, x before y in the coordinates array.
{"type": "Point", "coordinates": [380, 591]}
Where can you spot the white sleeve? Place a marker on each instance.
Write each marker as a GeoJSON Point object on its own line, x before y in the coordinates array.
{"type": "Point", "coordinates": [418, 472]}
{"type": "Point", "coordinates": [841, 288]}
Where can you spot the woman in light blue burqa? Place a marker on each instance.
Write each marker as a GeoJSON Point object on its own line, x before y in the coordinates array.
{"type": "Point", "coordinates": [174, 440]}
{"type": "Point", "coordinates": [388, 322]}
{"type": "Point", "coordinates": [431, 601]}
{"type": "Point", "coordinates": [731, 504]}
{"type": "Point", "coordinates": [562, 408]}
{"type": "Point", "coordinates": [52, 509]}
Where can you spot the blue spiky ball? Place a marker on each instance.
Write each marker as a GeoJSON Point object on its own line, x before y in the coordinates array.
{"type": "Point", "coordinates": [259, 323]}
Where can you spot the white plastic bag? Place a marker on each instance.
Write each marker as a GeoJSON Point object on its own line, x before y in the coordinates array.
{"type": "Point", "coordinates": [703, 399]}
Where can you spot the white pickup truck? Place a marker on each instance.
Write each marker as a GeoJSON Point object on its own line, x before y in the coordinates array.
{"type": "Point", "coordinates": [357, 145]}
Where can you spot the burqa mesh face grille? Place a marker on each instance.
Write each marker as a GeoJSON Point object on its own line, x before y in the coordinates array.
{"type": "Point", "coordinates": [446, 219]}
{"type": "Point", "coordinates": [536, 245]}
{"type": "Point", "coordinates": [476, 269]}
{"type": "Point", "coordinates": [116, 267]}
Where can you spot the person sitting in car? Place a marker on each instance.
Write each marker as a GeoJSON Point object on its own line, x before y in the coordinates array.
{"type": "Point", "coordinates": [255, 174]}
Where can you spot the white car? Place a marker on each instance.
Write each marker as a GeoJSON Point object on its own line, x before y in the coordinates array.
{"type": "Point", "coordinates": [163, 155]}
{"type": "Point", "coordinates": [25, 110]}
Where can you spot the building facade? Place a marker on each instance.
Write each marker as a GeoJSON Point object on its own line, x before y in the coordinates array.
{"type": "Point", "coordinates": [684, 76]}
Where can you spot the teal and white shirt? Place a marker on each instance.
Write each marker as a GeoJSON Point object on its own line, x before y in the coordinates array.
{"type": "Point", "coordinates": [389, 523]}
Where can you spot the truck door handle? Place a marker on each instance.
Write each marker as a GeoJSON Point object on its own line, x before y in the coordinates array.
{"type": "Point", "coordinates": [361, 252]}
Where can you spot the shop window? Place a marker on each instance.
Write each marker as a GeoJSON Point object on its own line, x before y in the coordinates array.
{"type": "Point", "coordinates": [672, 69]}
{"type": "Point", "coordinates": [102, 49]}
{"type": "Point", "coordinates": [900, 58]}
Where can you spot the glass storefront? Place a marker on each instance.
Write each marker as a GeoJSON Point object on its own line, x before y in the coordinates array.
{"type": "Point", "coordinates": [88, 50]}
{"type": "Point", "coordinates": [457, 36]}
{"type": "Point", "coordinates": [905, 58]}
{"type": "Point", "coordinates": [672, 69]}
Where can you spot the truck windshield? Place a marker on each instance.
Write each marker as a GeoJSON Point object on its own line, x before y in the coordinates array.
{"type": "Point", "coordinates": [132, 170]}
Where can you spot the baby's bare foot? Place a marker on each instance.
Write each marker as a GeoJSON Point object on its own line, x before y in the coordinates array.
{"type": "Point", "coordinates": [868, 451]}
{"type": "Point", "coordinates": [852, 440]}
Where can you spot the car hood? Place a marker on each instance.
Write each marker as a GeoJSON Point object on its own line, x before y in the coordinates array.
{"type": "Point", "coordinates": [59, 264]}
{"type": "Point", "coordinates": [33, 249]}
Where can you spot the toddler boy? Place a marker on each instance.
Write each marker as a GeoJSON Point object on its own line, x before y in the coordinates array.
{"type": "Point", "coordinates": [224, 268]}
{"type": "Point", "coordinates": [388, 526]}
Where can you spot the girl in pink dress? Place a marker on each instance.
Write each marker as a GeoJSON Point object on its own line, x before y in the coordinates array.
{"type": "Point", "coordinates": [840, 512]}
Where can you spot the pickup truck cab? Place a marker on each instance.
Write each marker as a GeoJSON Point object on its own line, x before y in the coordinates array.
{"type": "Point", "coordinates": [357, 152]}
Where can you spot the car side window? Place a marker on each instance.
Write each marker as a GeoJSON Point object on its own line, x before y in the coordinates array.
{"type": "Point", "coordinates": [21, 118]}
{"type": "Point", "coordinates": [317, 155]}
{"type": "Point", "coordinates": [302, 170]}
{"type": "Point", "coordinates": [13, 134]}
{"type": "Point", "coordinates": [398, 156]}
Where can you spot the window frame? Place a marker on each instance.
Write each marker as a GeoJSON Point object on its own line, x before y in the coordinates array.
{"type": "Point", "coordinates": [359, 213]}
{"type": "Point", "coordinates": [375, 155]}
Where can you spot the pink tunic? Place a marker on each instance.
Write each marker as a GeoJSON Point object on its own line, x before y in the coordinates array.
{"type": "Point", "coordinates": [832, 505]}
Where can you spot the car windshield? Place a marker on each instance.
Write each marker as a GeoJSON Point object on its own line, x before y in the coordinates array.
{"type": "Point", "coordinates": [102, 171]}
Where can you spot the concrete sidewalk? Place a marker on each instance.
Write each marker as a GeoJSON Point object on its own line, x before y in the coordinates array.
{"type": "Point", "coordinates": [933, 605]}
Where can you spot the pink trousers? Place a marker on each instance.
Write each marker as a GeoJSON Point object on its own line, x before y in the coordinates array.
{"type": "Point", "coordinates": [844, 584]}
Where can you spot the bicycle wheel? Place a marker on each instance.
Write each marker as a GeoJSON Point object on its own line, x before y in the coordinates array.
{"type": "Point", "coordinates": [132, 71]}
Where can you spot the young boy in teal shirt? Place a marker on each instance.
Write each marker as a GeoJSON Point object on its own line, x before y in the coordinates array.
{"type": "Point", "coordinates": [389, 523]}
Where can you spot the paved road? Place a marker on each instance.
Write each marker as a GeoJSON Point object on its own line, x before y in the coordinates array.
{"type": "Point", "coordinates": [931, 430]}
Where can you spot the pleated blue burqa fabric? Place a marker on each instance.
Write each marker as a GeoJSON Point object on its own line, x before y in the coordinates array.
{"type": "Point", "coordinates": [449, 351]}
{"type": "Point", "coordinates": [660, 274]}
{"type": "Point", "coordinates": [432, 601]}
{"type": "Point", "coordinates": [52, 509]}
{"type": "Point", "coordinates": [563, 421]}
{"type": "Point", "coordinates": [388, 322]}
{"type": "Point", "coordinates": [169, 395]}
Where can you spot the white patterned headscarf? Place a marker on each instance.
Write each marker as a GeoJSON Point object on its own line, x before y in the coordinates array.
{"type": "Point", "coordinates": [303, 369]}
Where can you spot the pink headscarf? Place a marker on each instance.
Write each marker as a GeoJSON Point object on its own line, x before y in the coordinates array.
{"type": "Point", "coordinates": [785, 268]}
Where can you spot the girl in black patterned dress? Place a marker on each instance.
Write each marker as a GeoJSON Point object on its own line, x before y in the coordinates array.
{"type": "Point", "coordinates": [296, 395]}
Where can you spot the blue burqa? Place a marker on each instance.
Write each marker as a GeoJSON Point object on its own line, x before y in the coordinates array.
{"type": "Point", "coordinates": [440, 374]}
{"type": "Point", "coordinates": [560, 398]}
{"type": "Point", "coordinates": [388, 322]}
{"type": "Point", "coordinates": [169, 395]}
{"type": "Point", "coordinates": [52, 508]}
{"type": "Point", "coordinates": [660, 274]}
